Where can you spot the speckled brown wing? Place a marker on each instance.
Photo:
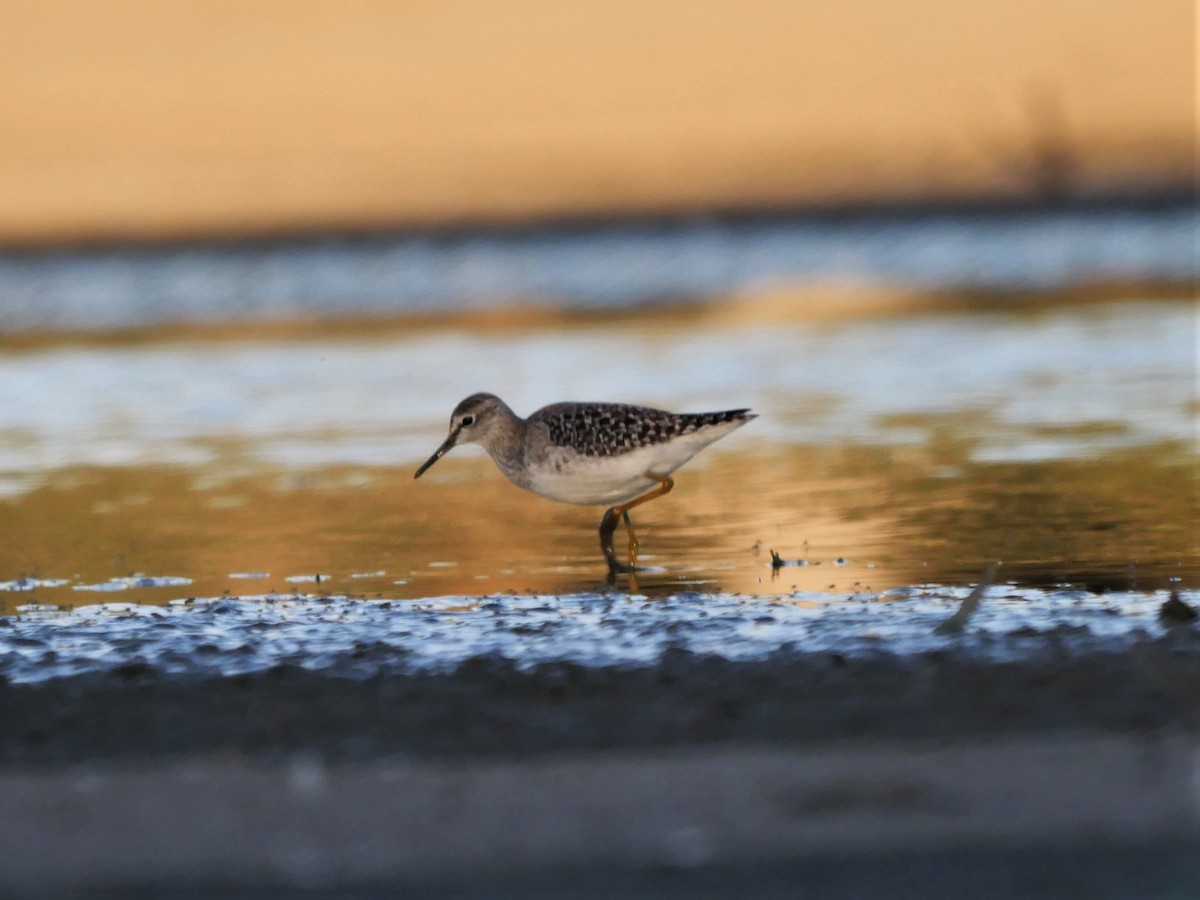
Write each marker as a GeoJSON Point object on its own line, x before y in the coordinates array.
{"type": "Point", "coordinates": [610, 429]}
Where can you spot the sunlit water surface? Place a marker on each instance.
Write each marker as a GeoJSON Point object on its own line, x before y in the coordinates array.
{"type": "Point", "coordinates": [889, 451]}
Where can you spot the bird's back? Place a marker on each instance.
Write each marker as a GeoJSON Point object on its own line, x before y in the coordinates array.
{"type": "Point", "coordinates": [611, 429]}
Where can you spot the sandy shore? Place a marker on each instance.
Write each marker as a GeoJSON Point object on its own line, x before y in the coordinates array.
{"type": "Point", "coordinates": [694, 776]}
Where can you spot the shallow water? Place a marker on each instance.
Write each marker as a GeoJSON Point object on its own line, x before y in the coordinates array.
{"type": "Point", "coordinates": [1065, 382]}
{"type": "Point", "coordinates": [605, 266]}
{"type": "Point", "coordinates": [889, 451]}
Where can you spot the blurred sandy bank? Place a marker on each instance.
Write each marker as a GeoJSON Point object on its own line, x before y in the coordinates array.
{"type": "Point", "coordinates": [135, 119]}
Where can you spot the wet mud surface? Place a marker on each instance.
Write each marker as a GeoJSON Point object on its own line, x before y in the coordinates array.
{"type": "Point", "coordinates": [489, 706]}
{"type": "Point", "coordinates": [352, 636]}
{"type": "Point", "coordinates": [600, 744]}
{"type": "Point", "coordinates": [512, 676]}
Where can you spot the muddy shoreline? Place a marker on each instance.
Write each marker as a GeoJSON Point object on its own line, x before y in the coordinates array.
{"type": "Point", "coordinates": [490, 707]}
{"type": "Point", "coordinates": [885, 774]}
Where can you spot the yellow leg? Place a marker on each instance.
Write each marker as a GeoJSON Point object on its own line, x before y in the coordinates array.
{"type": "Point", "coordinates": [664, 487]}
{"type": "Point", "coordinates": [609, 523]}
{"type": "Point", "coordinates": [633, 541]}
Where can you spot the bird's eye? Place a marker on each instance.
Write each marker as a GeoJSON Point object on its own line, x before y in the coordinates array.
{"type": "Point", "coordinates": [468, 420]}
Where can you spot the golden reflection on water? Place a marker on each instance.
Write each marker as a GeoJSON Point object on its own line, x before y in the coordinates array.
{"type": "Point", "coordinates": [862, 517]}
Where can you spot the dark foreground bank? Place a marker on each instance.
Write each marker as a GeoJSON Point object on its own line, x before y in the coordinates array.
{"type": "Point", "coordinates": [1063, 774]}
{"type": "Point", "coordinates": [490, 706]}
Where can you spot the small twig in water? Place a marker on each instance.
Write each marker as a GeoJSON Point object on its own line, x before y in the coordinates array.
{"type": "Point", "coordinates": [957, 622]}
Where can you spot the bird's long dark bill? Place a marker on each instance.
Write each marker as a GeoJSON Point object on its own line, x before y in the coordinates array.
{"type": "Point", "coordinates": [441, 451]}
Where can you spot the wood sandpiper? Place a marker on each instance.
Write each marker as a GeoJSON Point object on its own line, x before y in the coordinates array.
{"type": "Point", "coordinates": [589, 453]}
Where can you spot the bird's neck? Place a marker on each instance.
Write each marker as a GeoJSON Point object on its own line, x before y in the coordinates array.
{"type": "Point", "coordinates": [506, 446]}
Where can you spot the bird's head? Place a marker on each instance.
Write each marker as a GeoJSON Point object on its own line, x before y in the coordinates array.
{"type": "Point", "coordinates": [479, 419]}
